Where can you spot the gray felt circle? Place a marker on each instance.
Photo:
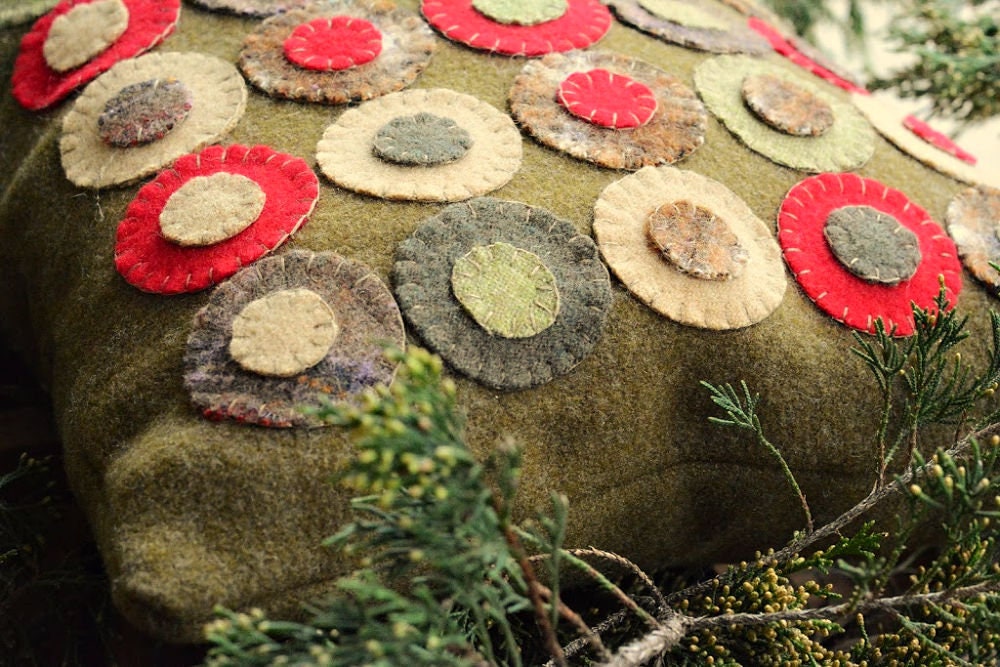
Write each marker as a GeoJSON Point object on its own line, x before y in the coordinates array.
{"type": "Point", "coordinates": [872, 245]}
{"type": "Point", "coordinates": [423, 139]}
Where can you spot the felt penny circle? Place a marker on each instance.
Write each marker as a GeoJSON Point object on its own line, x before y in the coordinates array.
{"type": "Point", "coordinates": [607, 99]}
{"type": "Point", "coordinates": [333, 43]}
{"type": "Point", "coordinates": [421, 139]}
{"type": "Point", "coordinates": [508, 291]}
{"type": "Point", "coordinates": [678, 11]}
{"type": "Point", "coordinates": [258, 8]}
{"type": "Point", "coordinates": [210, 209]}
{"type": "Point", "coordinates": [706, 25]}
{"type": "Point", "coordinates": [284, 333]}
{"type": "Point", "coordinates": [872, 245]}
{"type": "Point", "coordinates": [143, 112]}
{"type": "Point", "coordinates": [696, 241]}
{"type": "Point", "coordinates": [973, 220]}
{"type": "Point", "coordinates": [786, 106]}
{"type": "Point", "coordinates": [83, 32]}
{"type": "Point", "coordinates": [937, 139]}
{"type": "Point", "coordinates": [521, 12]}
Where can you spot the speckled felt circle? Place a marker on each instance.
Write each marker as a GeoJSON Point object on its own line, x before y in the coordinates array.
{"type": "Point", "coordinates": [144, 112]}
{"type": "Point", "coordinates": [584, 23]}
{"type": "Point", "coordinates": [259, 8]}
{"type": "Point", "coordinates": [16, 12]}
{"type": "Point", "coordinates": [848, 144]}
{"type": "Point", "coordinates": [973, 220]}
{"type": "Point", "coordinates": [367, 320]}
{"type": "Point", "coordinates": [36, 85]}
{"type": "Point", "coordinates": [407, 45]}
{"type": "Point", "coordinates": [804, 55]}
{"type": "Point", "coordinates": [675, 130]}
{"type": "Point", "coordinates": [844, 296]}
{"type": "Point", "coordinates": [218, 99]}
{"type": "Point", "coordinates": [785, 106]}
{"type": "Point", "coordinates": [889, 117]}
{"type": "Point", "coordinates": [147, 260]}
{"type": "Point", "coordinates": [734, 37]}
{"type": "Point", "coordinates": [422, 281]}
{"type": "Point", "coordinates": [346, 153]}
{"type": "Point", "coordinates": [620, 226]}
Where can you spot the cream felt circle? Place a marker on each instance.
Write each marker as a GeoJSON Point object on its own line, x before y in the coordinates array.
{"type": "Point", "coordinates": [84, 31]}
{"type": "Point", "coordinates": [210, 209]}
{"type": "Point", "coordinates": [284, 333]}
{"type": "Point", "coordinates": [349, 151]}
{"type": "Point", "coordinates": [621, 226]}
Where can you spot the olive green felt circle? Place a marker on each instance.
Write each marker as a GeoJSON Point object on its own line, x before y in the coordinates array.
{"type": "Point", "coordinates": [696, 241]}
{"type": "Point", "coordinates": [143, 112]}
{"type": "Point", "coordinates": [872, 245]}
{"type": "Point", "coordinates": [421, 139]}
{"type": "Point", "coordinates": [683, 13]}
{"type": "Point", "coordinates": [83, 32]}
{"type": "Point", "coordinates": [521, 12]}
{"type": "Point", "coordinates": [210, 209]}
{"type": "Point", "coordinates": [507, 291]}
{"type": "Point", "coordinates": [785, 106]}
{"type": "Point", "coordinates": [847, 145]}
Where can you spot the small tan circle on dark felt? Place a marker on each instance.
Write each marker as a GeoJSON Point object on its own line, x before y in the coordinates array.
{"type": "Point", "coordinates": [284, 333]}
{"type": "Point", "coordinates": [696, 241]}
{"type": "Point", "coordinates": [83, 32]}
{"type": "Point", "coordinates": [786, 106]}
{"type": "Point", "coordinates": [210, 209]}
{"type": "Point", "coordinates": [872, 245]}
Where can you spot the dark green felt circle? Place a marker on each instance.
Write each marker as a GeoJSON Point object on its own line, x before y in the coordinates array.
{"type": "Point", "coordinates": [872, 245]}
{"type": "Point", "coordinates": [423, 139]}
{"type": "Point", "coordinates": [422, 282]}
{"type": "Point", "coordinates": [143, 112]}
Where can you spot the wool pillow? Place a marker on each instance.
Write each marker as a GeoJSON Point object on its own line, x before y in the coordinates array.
{"type": "Point", "coordinates": [381, 190]}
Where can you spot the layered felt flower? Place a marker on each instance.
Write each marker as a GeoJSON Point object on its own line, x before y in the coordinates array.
{"type": "Point", "coordinates": [145, 112]}
{"type": "Point", "coordinates": [609, 109]}
{"type": "Point", "coordinates": [80, 39]}
{"type": "Point", "coordinates": [708, 26]}
{"type": "Point", "coordinates": [288, 333]}
{"type": "Point", "coordinates": [337, 51]}
{"type": "Point", "coordinates": [689, 248]}
{"type": "Point", "coordinates": [425, 145]}
{"type": "Point", "coordinates": [506, 293]}
{"type": "Point", "coordinates": [785, 116]}
{"type": "Point", "coordinates": [973, 220]}
{"type": "Point", "coordinates": [863, 251]}
{"type": "Point", "coordinates": [210, 214]}
{"type": "Point", "coordinates": [519, 27]}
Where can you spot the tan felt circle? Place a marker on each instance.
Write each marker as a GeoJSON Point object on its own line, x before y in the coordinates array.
{"type": "Point", "coordinates": [345, 153]}
{"type": "Point", "coordinates": [284, 333]}
{"type": "Point", "coordinates": [684, 13]}
{"type": "Point", "coordinates": [620, 228]}
{"type": "Point", "coordinates": [83, 32]}
{"type": "Point", "coordinates": [218, 100]}
{"type": "Point", "coordinates": [210, 209]}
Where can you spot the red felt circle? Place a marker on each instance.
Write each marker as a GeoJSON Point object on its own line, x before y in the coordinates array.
{"type": "Point", "coordinates": [838, 292]}
{"type": "Point", "coordinates": [937, 139]}
{"type": "Point", "coordinates": [585, 22]}
{"type": "Point", "coordinates": [153, 264]}
{"type": "Point", "coordinates": [607, 99]}
{"type": "Point", "coordinates": [333, 43]}
{"type": "Point", "coordinates": [36, 86]}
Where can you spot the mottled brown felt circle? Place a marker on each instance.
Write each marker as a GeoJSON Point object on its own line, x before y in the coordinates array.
{"type": "Point", "coordinates": [210, 209]}
{"type": "Point", "coordinates": [687, 23]}
{"type": "Point", "coordinates": [675, 130]}
{"type": "Point", "coordinates": [696, 241]}
{"type": "Point", "coordinates": [366, 316]}
{"type": "Point", "coordinates": [786, 106]}
{"type": "Point", "coordinates": [143, 112]}
{"type": "Point", "coordinates": [407, 45]}
{"type": "Point", "coordinates": [973, 221]}
{"type": "Point", "coordinates": [422, 139]}
{"type": "Point", "coordinates": [83, 32]}
{"type": "Point", "coordinates": [872, 245]}
{"type": "Point", "coordinates": [422, 280]}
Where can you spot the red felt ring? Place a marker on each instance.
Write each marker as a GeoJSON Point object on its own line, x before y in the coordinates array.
{"type": "Point", "coordinates": [937, 139]}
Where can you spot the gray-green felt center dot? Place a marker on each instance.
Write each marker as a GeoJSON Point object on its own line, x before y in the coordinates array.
{"type": "Point", "coordinates": [507, 290]}
{"type": "Point", "coordinates": [872, 245]}
{"type": "Point", "coordinates": [696, 241]}
{"type": "Point", "coordinates": [423, 139]}
{"type": "Point", "coordinates": [785, 106]}
{"type": "Point", "coordinates": [144, 112]}
{"type": "Point", "coordinates": [521, 12]}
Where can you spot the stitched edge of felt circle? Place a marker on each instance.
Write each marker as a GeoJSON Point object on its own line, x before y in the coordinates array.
{"type": "Point", "coordinates": [151, 263]}
{"type": "Point", "coordinates": [255, 8]}
{"type": "Point", "coordinates": [421, 279]}
{"type": "Point", "coordinates": [620, 215]}
{"type": "Point", "coordinates": [973, 220]}
{"type": "Point", "coordinates": [24, 11]}
{"type": "Point", "coordinates": [737, 38]}
{"type": "Point", "coordinates": [845, 297]}
{"type": "Point", "coordinates": [888, 116]}
{"type": "Point", "coordinates": [407, 45]}
{"type": "Point", "coordinates": [369, 320]}
{"type": "Point", "coordinates": [584, 23]}
{"type": "Point", "coordinates": [345, 154]}
{"type": "Point", "coordinates": [218, 101]}
{"type": "Point", "coordinates": [848, 144]}
{"type": "Point", "coordinates": [676, 129]}
{"type": "Point", "coordinates": [36, 86]}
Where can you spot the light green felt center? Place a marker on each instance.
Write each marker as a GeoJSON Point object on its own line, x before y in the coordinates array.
{"type": "Point", "coordinates": [507, 291]}
{"type": "Point", "coordinates": [683, 14]}
{"type": "Point", "coordinates": [872, 245]}
{"type": "Point", "coordinates": [521, 12]}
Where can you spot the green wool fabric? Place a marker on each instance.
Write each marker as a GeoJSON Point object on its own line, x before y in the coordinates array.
{"type": "Point", "coordinates": [189, 513]}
